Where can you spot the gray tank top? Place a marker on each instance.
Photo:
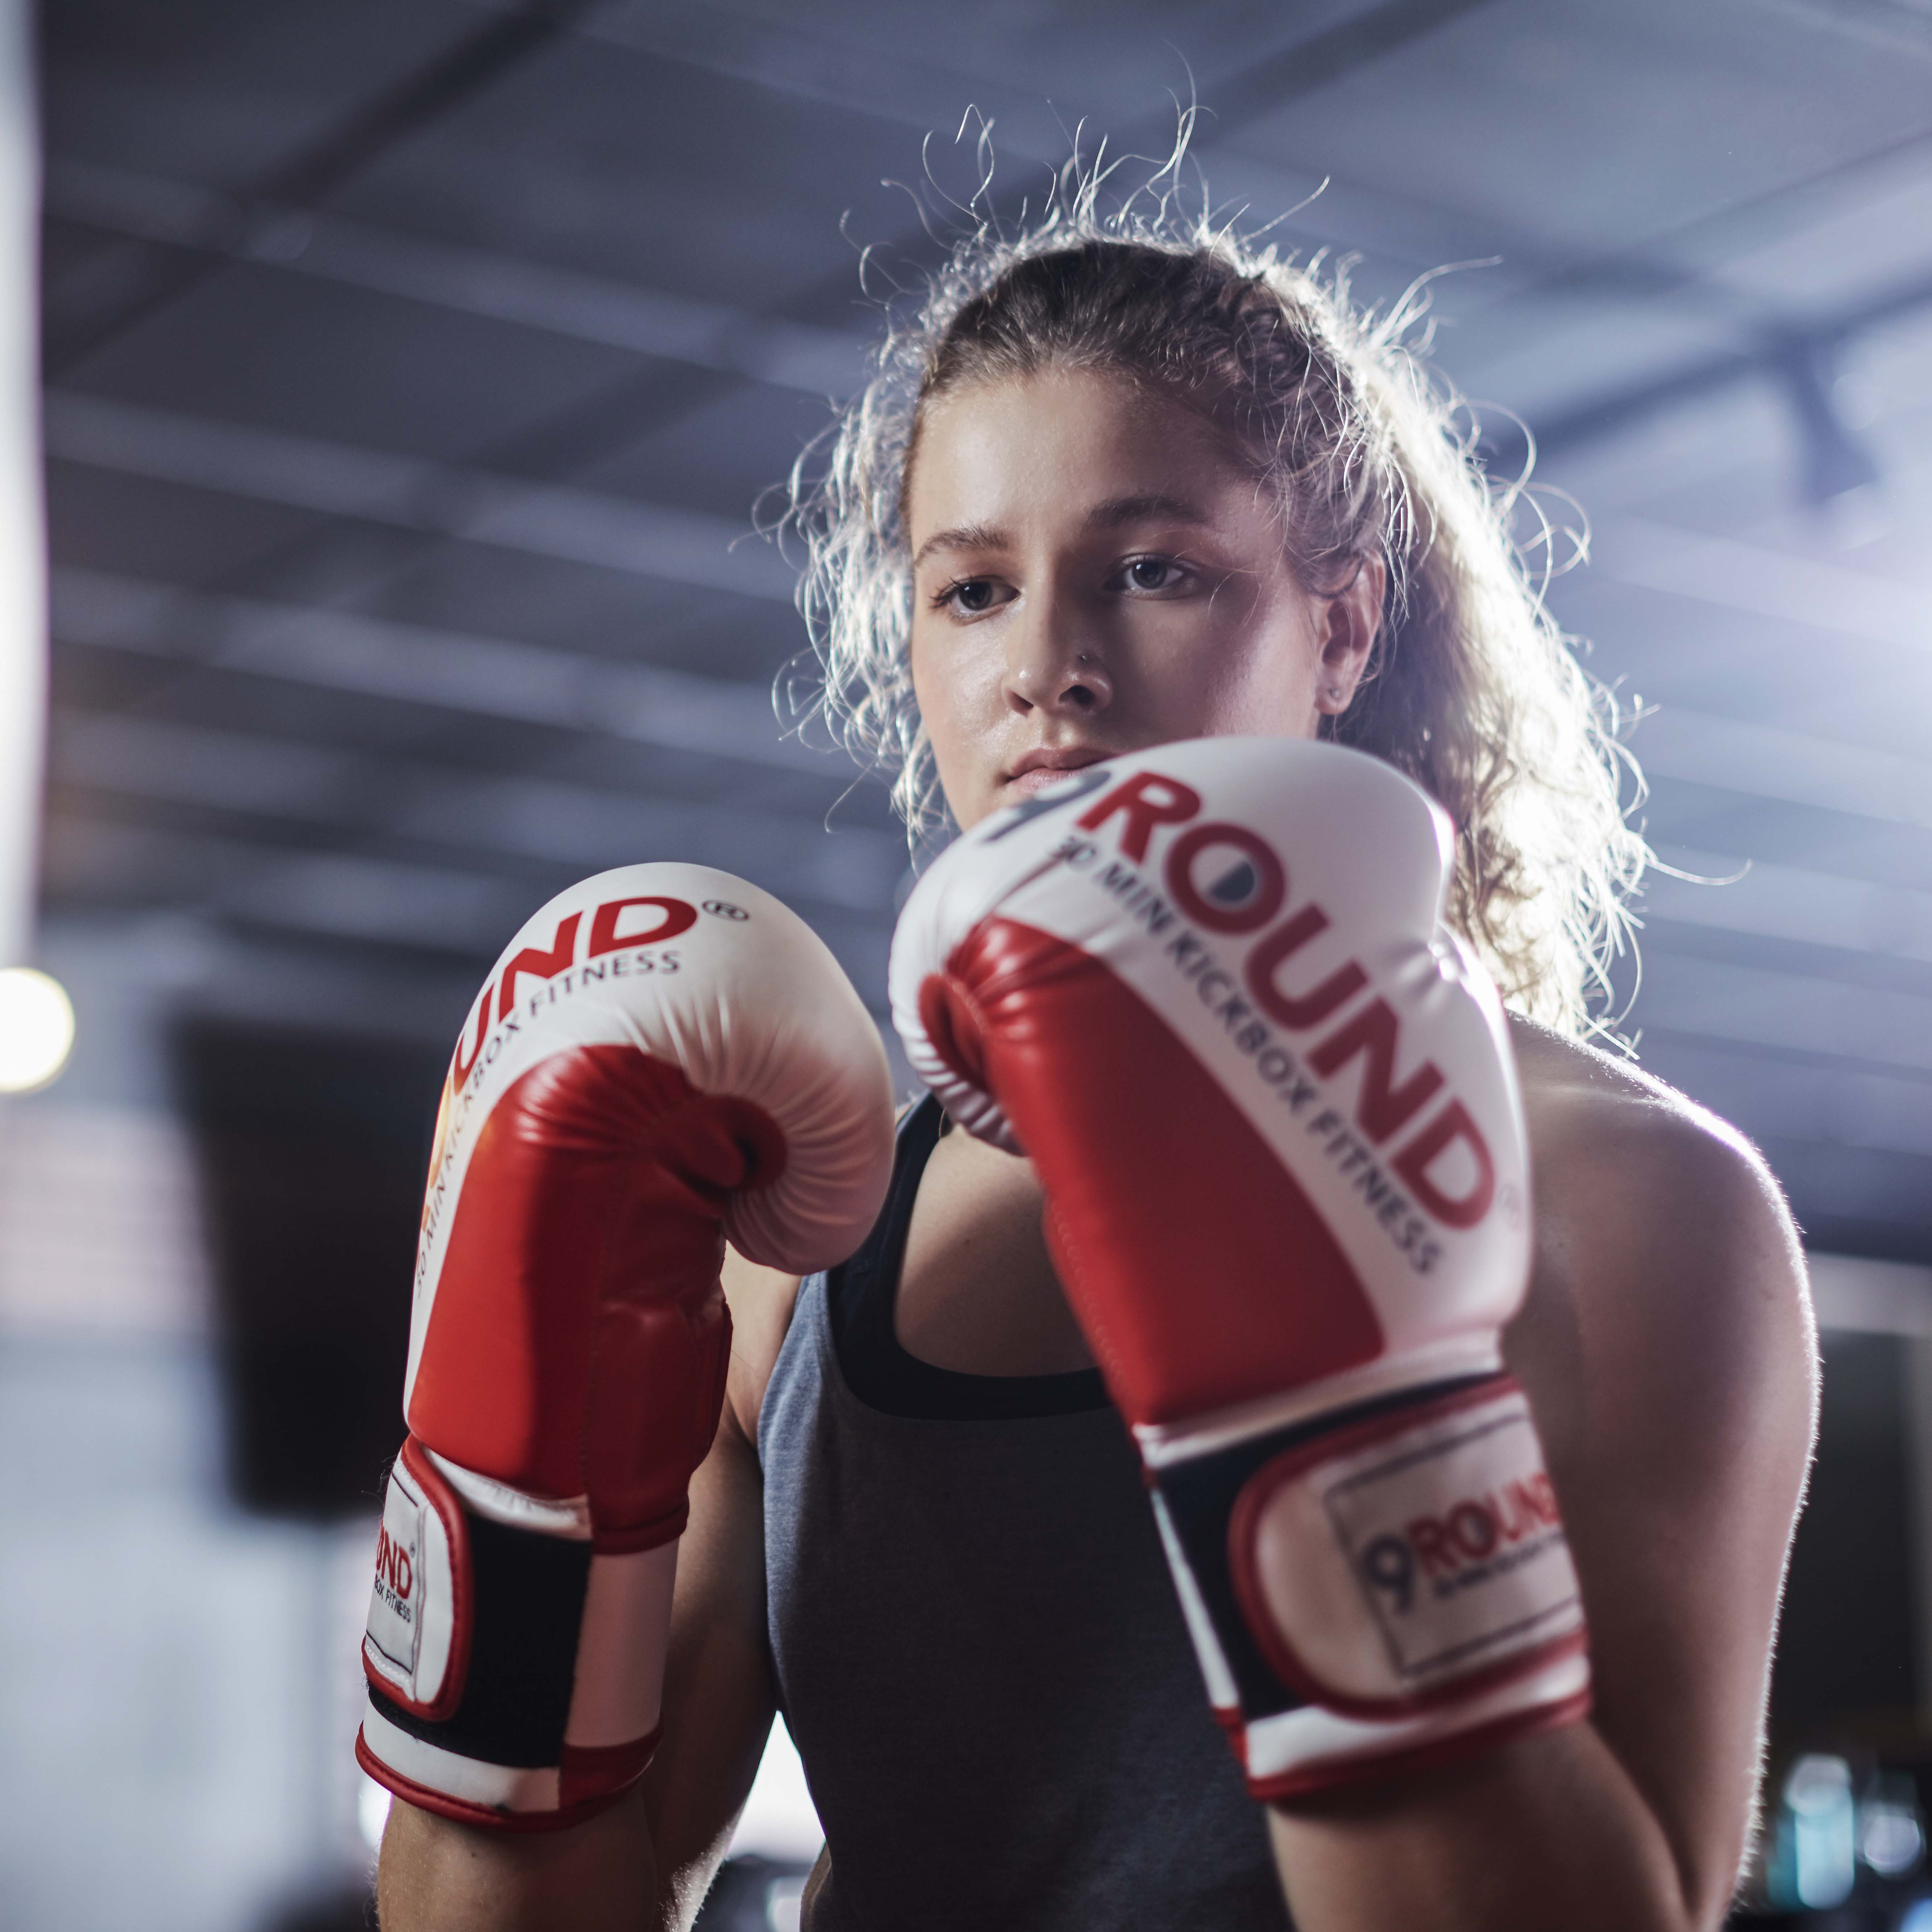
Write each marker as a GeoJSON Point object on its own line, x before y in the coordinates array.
{"type": "Point", "coordinates": [978, 1652]}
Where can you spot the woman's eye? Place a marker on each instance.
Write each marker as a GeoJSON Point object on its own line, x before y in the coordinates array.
{"type": "Point", "coordinates": [1153, 573]}
{"type": "Point", "coordinates": [972, 596]}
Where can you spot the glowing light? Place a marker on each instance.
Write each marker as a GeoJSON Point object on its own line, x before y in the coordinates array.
{"type": "Point", "coordinates": [779, 1821]}
{"type": "Point", "coordinates": [1890, 1840]}
{"type": "Point", "coordinates": [372, 1812]}
{"type": "Point", "coordinates": [785, 1905]}
{"type": "Point", "coordinates": [36, 1029]}
{"type": "Point", "coordinates": [1891, 1829]}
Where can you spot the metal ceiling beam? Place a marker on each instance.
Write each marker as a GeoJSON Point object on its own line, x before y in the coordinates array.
{"type": "Point", "coordinates": [339, 897]}
{"type": "Point", "coordinates": [274, 222]}
{"type": "Point", "coordinates": [1792, 902]}
{"type": "Point", "coordinates": [1807, 1097]}
{"type": "Point", "coordinates": [929, 98]}
{"type": "Point", "coordinates": [1307, 65]}
{"type": "Point", "coordinates": [869, 83]}
{"type": "Point", "coordinates": [1766, 359]}
{"type": "Point", "coordinates": [1679, 264]}
{"type": "Point", "coordinates": [1883, 1028]}
{"type": "Point", "coordinates": [471, 281]}
{"type": "Point", "coordinates": [413, 804]}
{"type": "Point", "coordinates": [1896, 26]}
{"type": "Point", "coordinates": [1784, 584]}
{"type": "Point", "coordinates": [376, 657]}
{"type": "Point", "coordinates": [787, 59]}
{"type": "Point", "coordinates": [651, 540]}
{"type": "Point", "coordinates": [800, 357]}
{"type": "Point", "coordinates": [797, 356]}
{"type": "Point", "coordinates": [336, 895]}
{"type": "Point", "coordinates": [811, 360]}
{"type": "Point", "coordinates": [390, 117]}
{"type": "Point", "coordinates": [1763, 761]}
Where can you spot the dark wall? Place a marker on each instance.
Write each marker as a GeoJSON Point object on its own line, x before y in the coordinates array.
{"type": "Point", "coordinates": [1846, 1651]}
{"type": "Point", "coordinates": [312, 1149]}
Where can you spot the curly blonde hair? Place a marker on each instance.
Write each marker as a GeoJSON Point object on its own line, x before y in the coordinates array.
{"type": "Point", "coordinates": [1471, 690]}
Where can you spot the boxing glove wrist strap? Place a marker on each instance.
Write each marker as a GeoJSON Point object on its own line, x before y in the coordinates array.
{"type": "Point", "coordinates": [1376, 1589]}
{"type": "Point", "coordinates": [515, 1669]}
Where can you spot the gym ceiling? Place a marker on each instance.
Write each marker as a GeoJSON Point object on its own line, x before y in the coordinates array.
{"type": "Point", "coordinates": [414, 366]}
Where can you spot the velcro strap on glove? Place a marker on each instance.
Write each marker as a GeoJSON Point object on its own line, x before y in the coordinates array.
{"type": "Point", "coordinates": [1381, 1591]}
{"type": "Point", "coordinates": [514, 1671]}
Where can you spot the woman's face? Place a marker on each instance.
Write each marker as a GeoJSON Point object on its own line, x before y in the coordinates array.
{"type": "Point", "coordinates": [1093, 574]}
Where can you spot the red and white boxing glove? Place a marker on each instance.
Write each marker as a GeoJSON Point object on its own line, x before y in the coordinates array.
{"type": "Point", "coordinates": [1207, 989]}
{"type": "Point", "coordinates": [664, 1056]}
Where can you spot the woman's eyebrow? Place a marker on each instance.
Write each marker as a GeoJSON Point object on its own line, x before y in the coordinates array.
{"type": "Point", "coordinates": [1109, 515]}
{"type": "Point", "coordinates": [962, 536]}
{"type": "Point", "coordinates": [1118, 510]}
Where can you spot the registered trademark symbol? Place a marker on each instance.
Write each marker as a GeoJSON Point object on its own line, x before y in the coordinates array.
{"type": "Point", "coordinates": [725, 909]}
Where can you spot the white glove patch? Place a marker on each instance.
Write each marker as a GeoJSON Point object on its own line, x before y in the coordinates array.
{"type": "Point", "coordinates": [416, 1646]}
{"type": "Point", "coordinates": [1443, 1523]}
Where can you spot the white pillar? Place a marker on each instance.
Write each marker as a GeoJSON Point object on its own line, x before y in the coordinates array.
{"type": "Point", "coordinates": [23, 676]}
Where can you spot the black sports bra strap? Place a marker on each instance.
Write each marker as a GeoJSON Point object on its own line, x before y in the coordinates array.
{"type": "Point", "coordinates": [859, 1297]}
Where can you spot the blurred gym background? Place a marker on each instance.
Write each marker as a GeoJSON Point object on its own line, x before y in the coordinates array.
{"type": "Point", "coordinates": [411, 368]}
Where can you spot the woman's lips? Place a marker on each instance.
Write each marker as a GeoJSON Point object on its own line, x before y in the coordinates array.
{"type": "Point", "coordinates": [1040, 777]}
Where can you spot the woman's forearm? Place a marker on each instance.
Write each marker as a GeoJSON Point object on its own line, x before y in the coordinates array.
{"type": "Point", "coordinates": [436, 1876]}
{"type": "Point", "coordinates": [1549, 1834]}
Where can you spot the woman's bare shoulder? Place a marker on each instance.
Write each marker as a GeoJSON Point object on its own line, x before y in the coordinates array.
{"type": "Point", "coordinates": [1654, 1214]}
{"type": "Point", "coordinates": [1582, 1103]}
{"type": "Point", "coordinates": [761, 1300]}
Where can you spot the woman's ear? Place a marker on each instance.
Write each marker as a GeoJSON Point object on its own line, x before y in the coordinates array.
{"type": "Point", "coordinates": [1350, 618]}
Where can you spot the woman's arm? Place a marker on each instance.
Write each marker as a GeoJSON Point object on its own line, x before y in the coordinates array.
{"type": "Point", "coordinates": [647, 1861]}
{"type": "Point", "coordinates": [435, 1875]}
{"type": "Point", "coordinates": [1668, 1349]}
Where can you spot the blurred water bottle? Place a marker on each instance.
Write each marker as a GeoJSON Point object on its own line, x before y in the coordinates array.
{"type": "Point", "coordinates": [1814, 1859]}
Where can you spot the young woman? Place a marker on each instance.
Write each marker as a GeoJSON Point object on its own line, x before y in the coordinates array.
{"type": "Point", "coordinates": [1118, 486]}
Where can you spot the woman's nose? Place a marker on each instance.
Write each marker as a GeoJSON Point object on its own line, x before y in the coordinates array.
{"type": "Point", "coordinates": [1051, 667]}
